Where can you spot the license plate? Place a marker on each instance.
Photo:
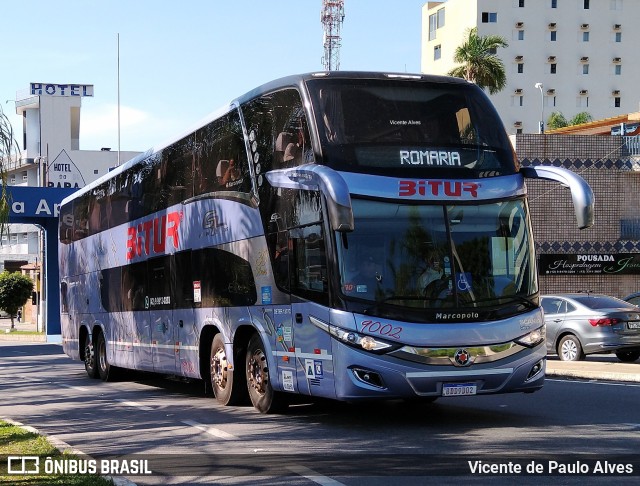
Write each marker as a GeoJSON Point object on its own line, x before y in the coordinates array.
{"type": "Point", "coordinates": [458, 389]}
{"type": "Point", "coordinates": [633, 325]}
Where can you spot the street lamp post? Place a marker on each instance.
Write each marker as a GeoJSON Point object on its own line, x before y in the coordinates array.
{"type": "Point", "coordinates": [541, 125]}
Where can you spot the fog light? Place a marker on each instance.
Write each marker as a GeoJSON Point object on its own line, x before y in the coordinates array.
{"type": "Point", "coordinates": [369, 377]}
{"type": "Point", "coordinates": [536, 369]}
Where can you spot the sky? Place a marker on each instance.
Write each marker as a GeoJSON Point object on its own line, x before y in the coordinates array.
{"type": "Point", "coordinates": [181, 61]}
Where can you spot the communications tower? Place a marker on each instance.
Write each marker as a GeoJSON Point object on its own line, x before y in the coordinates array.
{"type": "Point", "coordinates": [332, 16]}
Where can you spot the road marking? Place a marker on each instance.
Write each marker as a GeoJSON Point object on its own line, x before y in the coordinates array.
{"type": "Point", "coordinates": [311, 475]}
{"type": "Point", "coordinates": [221, 434]}
{"type": "Point", "coordinates": [79, 388]}
{"type": "Point", "coordinates": [135, 404]}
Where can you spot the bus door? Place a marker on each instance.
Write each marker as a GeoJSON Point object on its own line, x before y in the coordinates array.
{"type": "Point", "coordinates": [158, 302]}
{"type": "Point", "coordinates": [186, 294]}
{"type": "Point", "coordinates": [310, 312]}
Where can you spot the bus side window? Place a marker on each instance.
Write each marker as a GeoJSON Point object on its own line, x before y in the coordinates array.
{"type": "Point", "coordinates": [134, 286]}
{"type": "Point", "coordinates": [279, 251]}
{"type": "Point", "coordinates": [309, 263]}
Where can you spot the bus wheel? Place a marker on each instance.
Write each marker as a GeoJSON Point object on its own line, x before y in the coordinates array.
{"type": "Point", "coordinates": [90, 357]}
{"type": "Point", "coordinates": [222, 375]}
{"type": "Point", "coordinates": [263, 397]}
{"type": "Point", "coordinates": [105, 370]}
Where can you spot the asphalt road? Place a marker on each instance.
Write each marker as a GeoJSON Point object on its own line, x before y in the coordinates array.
{"type": "Point", "coordinates": [189, 439]}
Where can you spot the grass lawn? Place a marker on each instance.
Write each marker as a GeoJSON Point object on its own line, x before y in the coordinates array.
{"type": "Point", "coordinates": [16, 441]}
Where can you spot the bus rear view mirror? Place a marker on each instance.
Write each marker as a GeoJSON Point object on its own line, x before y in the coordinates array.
{"type": "Point", "coordinates": [581, 193]}
{"type": "Point", "coordinates": [325, 179]}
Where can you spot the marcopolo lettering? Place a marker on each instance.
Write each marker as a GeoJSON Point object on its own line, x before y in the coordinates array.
{"type": "Point", "coordinates": [429, 157]}
{"type": "Point", "coordinates": [50, 89]}
{"type": "Point", "coordinates": [437, 188]}
{"type": "Point", "coordinates": [150, 237]}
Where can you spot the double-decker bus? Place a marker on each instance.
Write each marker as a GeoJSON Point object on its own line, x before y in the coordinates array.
{"type": "Point", "coordinates": [336, 234]}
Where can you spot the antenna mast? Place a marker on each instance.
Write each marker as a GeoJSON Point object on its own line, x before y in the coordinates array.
{"type": "Point", "coordinates": [331, 17]}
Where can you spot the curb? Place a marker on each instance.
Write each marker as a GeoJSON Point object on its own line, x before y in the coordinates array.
{"type": "Point", "coordinates": [62, 446]}
{"type": "Point", "coordinates": [12, 336]}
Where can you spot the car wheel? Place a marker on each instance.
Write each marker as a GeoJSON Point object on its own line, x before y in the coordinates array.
{"type": "Point", "coordinates": [570, 349]}
{"type": "Point", "coordinates": [628, 355]}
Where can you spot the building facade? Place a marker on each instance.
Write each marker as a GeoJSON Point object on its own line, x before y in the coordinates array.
{"type": "Point", "coordinates": [567, 56]}
{"type": "Point", "coordinates": [604, 258]}
{"type": "Point", "coordinates": [49, 157]}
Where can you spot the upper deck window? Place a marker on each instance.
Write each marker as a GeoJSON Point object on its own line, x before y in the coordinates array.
{"type": "Point", "coordinates": [410, 128]}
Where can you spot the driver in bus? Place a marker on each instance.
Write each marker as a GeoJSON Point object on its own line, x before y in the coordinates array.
{"type": "Point", "coordinates": [432, 273]}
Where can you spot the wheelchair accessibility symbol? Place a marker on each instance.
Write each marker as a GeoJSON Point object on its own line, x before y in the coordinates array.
{"type": "Point", "coordinates": [463, 282]}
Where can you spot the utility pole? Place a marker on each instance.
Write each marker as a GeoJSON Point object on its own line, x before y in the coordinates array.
{"type": "Point", "coordinates": [332, 17]}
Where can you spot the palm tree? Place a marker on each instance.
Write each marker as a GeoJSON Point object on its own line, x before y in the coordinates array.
{"type": "Point", "coordinates": [8, 145]}
{"type": "Point", "coordinates": [479, 61]}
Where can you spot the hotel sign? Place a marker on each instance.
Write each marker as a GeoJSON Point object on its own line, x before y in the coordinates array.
{"type": "Point", "coordinates": [52, 89]}
{"type": "Point", "coordinates": [589, 264]}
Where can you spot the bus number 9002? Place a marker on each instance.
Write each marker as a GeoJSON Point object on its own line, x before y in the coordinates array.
{"type": "Point", "coordinates": [375, 327]}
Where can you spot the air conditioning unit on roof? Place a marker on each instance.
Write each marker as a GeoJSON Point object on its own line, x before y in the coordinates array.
{"type": "Point", "coordinates": [519, 25]}
{"type": "Point", "coordinates": [617, 26]}
{"type": "Point", "coordinates": [551, 59]}
{"type": "Point", "coordinates": [518, 91]}
{"type": "Point", "coordinates": [584, 91]}
{"type": "Point", "coordinates": [519, 58]}
{"type": "Point", "coordinates": [584, 26]}
{"type": "Point", "coordinates": [584, 59]}
{"type": "Point", "coordinates": [552, 25]}
{"type": "Point", "coordinates": [617, 59]}
{"type": "Point", "coordinates": [551, 91]}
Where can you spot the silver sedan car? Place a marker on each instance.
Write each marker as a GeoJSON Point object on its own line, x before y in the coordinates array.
{"type": "Point", "coordinates": [582, 323]}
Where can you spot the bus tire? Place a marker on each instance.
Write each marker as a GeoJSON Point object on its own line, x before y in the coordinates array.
{"type": "Point", "coordinates": [106, 371]}
{"type": "Point", "coordinates": [221, 377]}
{"type": "Point", "coordinates": [263, 397]}
{"type": "Point", "coordinates": [90, 357]}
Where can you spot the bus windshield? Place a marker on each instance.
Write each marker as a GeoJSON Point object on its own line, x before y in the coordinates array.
{"type": "Point", "coordinates": [417, 257]}
{"type": "Point", "coordinates": [425, 128]}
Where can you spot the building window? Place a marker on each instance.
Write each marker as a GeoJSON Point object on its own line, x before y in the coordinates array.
{"type": "Point", "coordinates": [617, 69]}
{"type": "Point", "coordinates": [437, 52]}
{"type": "Point", "coordinates": [520, 68]}
{"type": "Point", "coordinates": [95, 171]}
{"type": "Point", "coordinates": [489, 17]}
{"type": "Point", "coordinates": [552, 68]}
{"type": "Point", "coordinates": [585, 37]}
{"type": "Point", "coordinates": [585, 69]}
{"type": "Point", "coordinates": [616, 102]}
{"type": "Point", "coordinates": [586, 4]}
{"type": "Point", "coordinates": [618, 36]}
{"type": "Point", "coordinates": [554, 3]}
{"type": "Point", "coordinates": [521, 35]}
{"type": "Point", "coordinates": [436, 21]}
{"type": "Point", "coordinates": [521, 3]}
{"type": "Point", "coordinates": [554, 35]}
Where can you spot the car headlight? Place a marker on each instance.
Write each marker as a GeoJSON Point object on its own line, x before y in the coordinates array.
{"type": "Point", "coordinates": [533, 338]}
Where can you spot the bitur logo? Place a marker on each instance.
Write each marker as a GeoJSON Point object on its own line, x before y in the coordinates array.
{"type": "Point", "coordinates": [150, 237]}
{"type": "Point", "coordinates": [437, 188]}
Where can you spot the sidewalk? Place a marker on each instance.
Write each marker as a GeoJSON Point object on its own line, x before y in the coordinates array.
{"type": "Point", "coordinates": [6, 335]}
{"type": "Point", "coordinates": [595, 367]}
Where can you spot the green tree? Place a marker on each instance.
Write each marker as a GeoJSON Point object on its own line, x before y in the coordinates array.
{"type": "Point", "coordinates": [8, 147]}
{"type": "Point", "coordinates": [15, 290]}
{"type": "Point", "coordinates": [479, 62]}
{"type": "Point", "coordinates": [558, 120]}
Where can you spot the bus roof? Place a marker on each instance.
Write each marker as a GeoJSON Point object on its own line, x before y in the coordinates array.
{"type": "Point", "coordinates": [297, 80]}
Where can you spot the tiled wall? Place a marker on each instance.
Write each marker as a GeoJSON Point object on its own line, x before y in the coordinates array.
{"type": "Point", "coordinates": [615, 180]}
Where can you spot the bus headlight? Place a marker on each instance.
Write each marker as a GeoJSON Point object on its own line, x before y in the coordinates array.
{"type": "Point", "coordinates": [368, 343]}
{"type": "Point", "coordinates": [534, 338]}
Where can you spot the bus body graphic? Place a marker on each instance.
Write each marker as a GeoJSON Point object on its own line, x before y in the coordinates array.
{"type": "Point", "coordinates": [341, 235]}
